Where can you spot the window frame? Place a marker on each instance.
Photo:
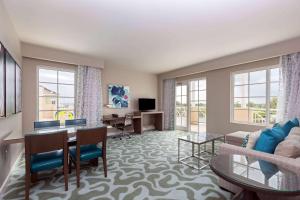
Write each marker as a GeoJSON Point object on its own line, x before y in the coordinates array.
{"type": "Point", "coordinates": [58, 69]}
{"type": "Point", "coordinates": [182, 83]}
{"type": "Point", "coordinates": [267, 95]}
{"type": "Point", "coordinates": [202, 78]}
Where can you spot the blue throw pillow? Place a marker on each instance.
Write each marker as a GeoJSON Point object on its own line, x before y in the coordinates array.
{"type": "Point", "coordinates": [268, 140]}
{"type": "Point", "coordinates": [295, 121]}
{"type": "Point", "coordinates": [278, 132]}
{"type": "Point", "coordinates": [288, 126]}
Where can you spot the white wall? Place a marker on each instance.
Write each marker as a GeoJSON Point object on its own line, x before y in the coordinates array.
{"type": "Point", "coordinates": [12, 124]}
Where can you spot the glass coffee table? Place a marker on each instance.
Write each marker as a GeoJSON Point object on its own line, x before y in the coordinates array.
{"type": "Point", "coordinates": [198, 140]}
{"type": "Point", "coordinates": [256, 176]}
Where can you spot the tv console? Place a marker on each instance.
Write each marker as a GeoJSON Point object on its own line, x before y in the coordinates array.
{"type": "Point", "coordinates": [141, 119]}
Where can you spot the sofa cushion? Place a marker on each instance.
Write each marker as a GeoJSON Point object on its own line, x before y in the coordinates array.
{"type": "Point", "coordinates": [295, 131]}
{"type": "Point", "coordinates": [253, 137]}
{"type": "Point", "coordinates": [236, 138]}
{"type": "Point", "coordinates": [87, 152]}
{"type": "Point", "coordinates": [290, 147]}
{"type": "Point", "coordinates": [46, 161]}
{"type": "Point", "coordinates": [269, 139]}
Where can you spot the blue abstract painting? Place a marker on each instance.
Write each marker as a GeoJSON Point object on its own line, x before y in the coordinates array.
{"type": "Point", "coordinates": [118, 96]}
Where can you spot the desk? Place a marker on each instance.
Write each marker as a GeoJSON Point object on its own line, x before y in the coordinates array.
{"type": "Point", "coordinates": [140, 119]}
{"type": "Point", "coordinates": [10, 139]}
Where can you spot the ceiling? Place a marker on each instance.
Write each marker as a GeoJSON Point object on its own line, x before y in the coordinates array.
{"type": "Point", "coordinates": [154, 35]}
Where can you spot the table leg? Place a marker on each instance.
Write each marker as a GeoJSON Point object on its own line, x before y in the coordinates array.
{"type": "Point", "coordinates": [245, 195]}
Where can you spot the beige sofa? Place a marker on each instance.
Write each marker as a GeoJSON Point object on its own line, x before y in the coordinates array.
{"type": "Point", "coordinates": [233, 145]}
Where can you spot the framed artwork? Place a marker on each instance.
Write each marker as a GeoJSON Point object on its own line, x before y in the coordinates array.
{"type": "Point", "coordinates": [118, 96]}
{"type": "Point", "coordinates": [18, 89]}
{"type": "Point", "coordinates": [2, 78]}
{"type": "Point", "coordinates": [10, 71]}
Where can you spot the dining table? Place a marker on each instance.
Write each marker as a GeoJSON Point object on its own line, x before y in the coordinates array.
{"type": "Point", "coordinates": [71, 130]}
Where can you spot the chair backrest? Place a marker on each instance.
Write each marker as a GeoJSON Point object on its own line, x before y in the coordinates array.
{"type": "Point", "coordinates": [75, 122]}
{"type": "Point", "coordinates": [46, 142]}
{"type": "Point", "coordinates": [91, 136]}
{"type": "Point", "coordinates": [46, 124]}
{"type": "Point", "coordinates": [128, 119]}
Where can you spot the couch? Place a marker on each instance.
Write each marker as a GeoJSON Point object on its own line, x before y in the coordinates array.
{"type": "Point", "coordinates": [233, 145]}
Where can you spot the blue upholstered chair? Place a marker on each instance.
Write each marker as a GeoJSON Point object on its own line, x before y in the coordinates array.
{"type": "Point", "coordinates": [45, 152]}
{"type": "Point", "coordinates": [46, 124]}
{"type": "Point", "coordinates": [87, 150]}
{"type": "Point", "coordinates": [73, 122]}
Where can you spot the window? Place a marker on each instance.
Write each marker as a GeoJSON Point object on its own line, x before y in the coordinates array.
{"type": "Point", "coordinates": [255, 96]}
{"type": "Point", "coordinates": [56, 94]}
{"type": "Point", "coordinates": [181, 105]}
{"type": "Point", "coordinates": [198, 105]}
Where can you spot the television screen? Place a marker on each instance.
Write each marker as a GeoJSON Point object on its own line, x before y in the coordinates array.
{"type": "Point", "coordinates": [146, 104]}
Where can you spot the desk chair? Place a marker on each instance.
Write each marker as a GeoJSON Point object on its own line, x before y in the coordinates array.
{"type": "Point", "coordinates": [125, 124]}
{"type": "Point", "coordinates": [87, 150]}
{"type": "Point", "coordinates": [45, 124]}
{"type": "Point", "coordinates": [45, 152]}
{"type": "Point", "coordinates": [73, 122]}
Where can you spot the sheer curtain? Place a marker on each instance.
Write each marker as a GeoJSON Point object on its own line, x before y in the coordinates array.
{"type": "Point", "coordinates": [88, 94]}
{"type": "Point", "coordinates": [169, 103]}
{"type": "Point", "coordinates": [289, 98]}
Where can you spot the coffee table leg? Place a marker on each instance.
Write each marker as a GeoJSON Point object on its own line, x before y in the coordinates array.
{"type": "Point", "coordinates": [199, 156]}
{"type": "Point", "coordinates": [213, 148]}
{"type": "Point", "coordinates": [178, 150]}
{"type": "Point", "coordinates": [193, 149]}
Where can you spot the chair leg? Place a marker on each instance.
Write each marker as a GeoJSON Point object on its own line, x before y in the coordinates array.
{"type": "Point", "coordinates": [104, 166]}
{"type": "Point", "coordinates": [78, 173]}
{"type": "Point", "coordinates": [65, 168]}
{"type": "Point", "coordinates": [34, 177]}
{"type": "Point", "coordinates": [70, 166]}
{"type": "Point", "coordinates": [27, 185]}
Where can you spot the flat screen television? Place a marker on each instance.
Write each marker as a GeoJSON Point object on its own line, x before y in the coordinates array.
{"type": "Point", "coordinates": [146, 104]}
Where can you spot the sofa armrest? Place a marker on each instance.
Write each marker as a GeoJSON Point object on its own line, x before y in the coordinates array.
{"type": "Point", "coordinates": [288, 163]}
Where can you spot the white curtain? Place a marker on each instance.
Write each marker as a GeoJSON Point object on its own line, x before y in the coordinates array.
{"type": "Point", "coordinates": [169, 103]}
{"type": "Point", "coordinates": [289, 98]}
{"type": "Point", "coordinates": [88, 94]}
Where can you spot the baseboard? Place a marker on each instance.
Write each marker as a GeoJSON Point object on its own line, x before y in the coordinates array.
{"type": "Point", "coordinates": [3, 186]}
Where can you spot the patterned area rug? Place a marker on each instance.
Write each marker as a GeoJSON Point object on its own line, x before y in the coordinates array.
{"type": "Point", "coordinates": [143, 167]}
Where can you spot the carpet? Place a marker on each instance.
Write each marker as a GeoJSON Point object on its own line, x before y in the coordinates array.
{"type": "Point", "coordinates": [144, 167]}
